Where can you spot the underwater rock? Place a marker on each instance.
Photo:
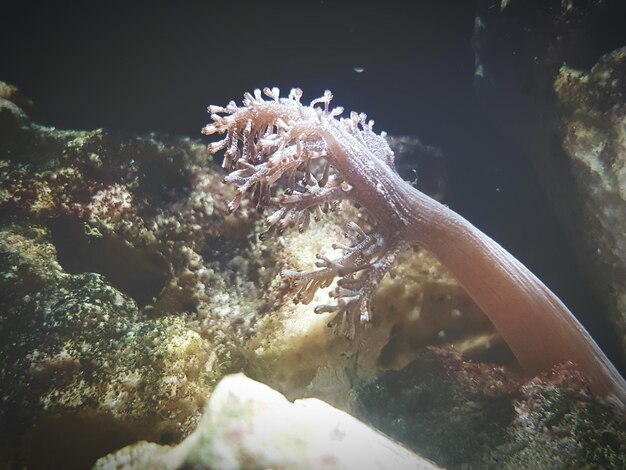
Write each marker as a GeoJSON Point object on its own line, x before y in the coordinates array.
{"type": "Point", "coordinates": [96, 275]}
{"type": "Point", "coordinates": [592, 109]}
{"type": "Point", "coordinates": [468, 415]}
{"type": "Point", "coordinates": [552, 74]}
{"type": "Point", "coordinates": [77, 355]}
{"type": "Point", "coordinates": [249, 425]}
{"type": "Point", "coordinates": [129, 291]}
{"type": "Point", "coordinates": [446, 409]}
{"type": "Point", "coordinates": [299, 355]}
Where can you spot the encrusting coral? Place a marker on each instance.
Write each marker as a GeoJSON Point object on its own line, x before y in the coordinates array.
{"type": "Point", "coordinates": [321, 161]}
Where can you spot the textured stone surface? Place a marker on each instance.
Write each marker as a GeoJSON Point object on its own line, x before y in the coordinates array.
{"type": "Point", "coordinates": [592, 109]}
{"type": "Point", "coordinates": [249, 425]}
{"type": "Point", "coordinates": [551, 73]}
{"type": "Point", "coordinates": [465, 415]}
{"type": "Point", "coordinates": [82, 256]}
{"type": "Point", "coordinates": [128, 292]}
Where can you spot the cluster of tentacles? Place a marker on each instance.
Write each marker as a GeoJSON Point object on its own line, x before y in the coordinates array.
{"type": "Point", "coordinates": [278, 159]}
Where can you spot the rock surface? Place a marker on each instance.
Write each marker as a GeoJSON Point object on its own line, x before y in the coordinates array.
{"type": "Point", "coordinates": [552, 74]}
{"type": "Point", "coordinates": [128, 292]}
{"type": "Point", "coordinates": [592, 109]}
{"type": "Point", "coordinates": [249, 425]}
{"type": "Point", "coordinates": [470, 415]}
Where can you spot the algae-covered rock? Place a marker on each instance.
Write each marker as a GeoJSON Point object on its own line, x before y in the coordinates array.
{"type": "Point", "coordinates": [103, 340]}
{"type": "Point", "coordinates": [129, 291]}
{"type": "Point", "coordinates": [593, 117]}
{"type": "Point", "coordinates": [249, 425]}
{"type": "Point", "coordinates": [421, 305]}
{"type": "Point", "coordinates": [467, 415]}
{"type": "Point", "coordinates": [448, 410]}
{"type": "Point", "coordinates": [551, 75]}
{"type": "Point", "coordinates": [76, 353]}
{"type": "Point", "coordinates": [557, 425]}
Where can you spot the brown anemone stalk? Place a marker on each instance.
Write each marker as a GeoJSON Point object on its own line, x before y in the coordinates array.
{"type": "Point", "coordinates": [303, 161]}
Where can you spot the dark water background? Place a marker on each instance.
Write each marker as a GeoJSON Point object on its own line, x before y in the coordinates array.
{"type": "Point", "coordinates": [154, 66]}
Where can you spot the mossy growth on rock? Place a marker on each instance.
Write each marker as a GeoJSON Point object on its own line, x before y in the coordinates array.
{"type": "Point", "coordinates": [465, 415]}
{"type": "Point", "coordinates": [129, 291]}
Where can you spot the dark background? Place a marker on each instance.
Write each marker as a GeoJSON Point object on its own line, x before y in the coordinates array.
{"type": "Point", "coordinates": [155, 66]}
